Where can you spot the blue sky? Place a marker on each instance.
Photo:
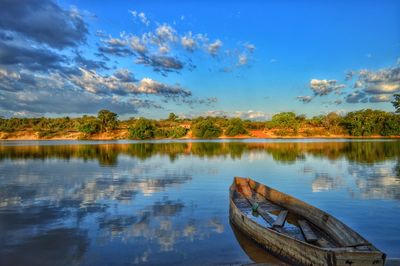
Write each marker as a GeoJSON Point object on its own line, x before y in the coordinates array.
{"type": "Point", "coordinates": [237, 58]}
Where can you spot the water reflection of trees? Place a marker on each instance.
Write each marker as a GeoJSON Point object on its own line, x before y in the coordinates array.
{"type": "Point", "coordinates": [107, 154]}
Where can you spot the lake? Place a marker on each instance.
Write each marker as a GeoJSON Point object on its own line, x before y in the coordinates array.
{"type": "Point", "coordinates": [166, 203]}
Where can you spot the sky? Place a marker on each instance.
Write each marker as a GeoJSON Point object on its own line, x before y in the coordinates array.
{"type": "Point", "coordinates": [248, 59]}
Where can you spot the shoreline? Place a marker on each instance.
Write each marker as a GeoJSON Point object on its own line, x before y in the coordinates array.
{"type": "Point", "coordinates": [94, 138]}
{"type": "Point", "coordinates": [123, 134]}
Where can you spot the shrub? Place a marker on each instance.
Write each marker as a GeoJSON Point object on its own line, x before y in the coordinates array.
{"type": "Point", "coordinates": [284, 132]}
{"type": "Point", "coordinates": [174, 132]}
{"type": "Point", "coordinates": [90, 126]}
{"type": "Point", "coordinates": [365, 122]}
{"type": "Point", "coordinates": [257, 125]}
{"type": "Point", "coordinates": [316, 121]}
{"type": "Point", "coordinates": [205, 128]}
{"type": "Point", "coordinates": [142, 129]}
{"type": "Point", "coordinates": [285, 120]}
{"type": "Point", "coordinates": [391, 126]}
{"type": "Point", "coordinates": [162, 132]}
{"type": "Point", "coordinates": [178, 132]}
{"type": "Point", "coordinates": [235, 127]}
{"type": "Point", "coordinates": [309, 132]}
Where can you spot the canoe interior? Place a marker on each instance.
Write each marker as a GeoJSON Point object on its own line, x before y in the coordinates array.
{"type": "Point", "coordinates": [329, 232]}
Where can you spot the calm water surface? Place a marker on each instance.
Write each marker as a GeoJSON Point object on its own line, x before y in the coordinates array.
{"type": "Point", "coordinates": [83, 203]}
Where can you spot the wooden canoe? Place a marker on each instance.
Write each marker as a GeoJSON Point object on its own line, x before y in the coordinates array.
{"type": "Point", "coordinates": [296, 231]}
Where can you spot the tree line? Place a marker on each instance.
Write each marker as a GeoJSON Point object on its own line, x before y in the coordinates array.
{"type": "Point", "coordinates": [366, 122]}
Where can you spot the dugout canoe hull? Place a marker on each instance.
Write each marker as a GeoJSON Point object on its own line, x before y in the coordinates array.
{"type": "Point", "coordinates": [301, 252]}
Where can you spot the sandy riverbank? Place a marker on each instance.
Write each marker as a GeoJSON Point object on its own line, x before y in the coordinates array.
{"type": "Point", "coordinates": [124, 135]}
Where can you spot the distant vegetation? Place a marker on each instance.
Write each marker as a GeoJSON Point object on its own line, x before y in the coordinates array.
{"type": "Point", "coordinates": [235, 127]}
{"type": "Point", "coordinates": [365, 122]}
{"type": "Point", "coordinates": [142, 129]}
{"type": "Point", "coordinates": [206, 128]}
{"type": "Point", "coordinates": [148, 129]}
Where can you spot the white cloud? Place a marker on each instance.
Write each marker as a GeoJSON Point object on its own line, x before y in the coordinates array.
{"type": "Point", "coordinates": [250, 47]}
{"type": "Point", "coordinates": [104, 85]}
{"type": "Point", "coordinates": [116, 42]}
{"type": "Point", "coordinates": [214, 47]}
{"type": "Point", "coordinates": [188, 42]}
{"type": "Point", "coordinates": [304, 99]}
{"type": "Point", "coordinates": [49, 94]}
{"type": "Point", "coordinates": [375, 86]}
{"type": "Point", "coordinates": [383, 87]}
{"type": "Point", "coordinates": [380, 98]}
{"type": "Point", "coordinates": [138, 45]}
{"type": "Point", "coordinates": [322, 87]}
{"type": "Point", "coordinates": [143, 19]}
{"type": "Point", "coordinates": [164, 49]}
{"type": "Point", "coordinates": [161, 48]}
{"type": "Point", "coordinates": [349, 75]}
{"type": "Point", "coordinates": [338, 101]}
{"type": "Point", "coordinates": [150, 86]}
{"type": "Point", "coordinates": [141, 16]}
{"type": "Point", "coordinates": [166, 33]}
{"type": "Point", "coordinates": [245, 115]}
{"type": "Point", "coordinates": [123, 83]}
{"type": "Point", "coordinates": [380, 82]}
{"type": "Point", "coordinates": [243, 59]}
{"type": "Point", "coordinates": [253, 115]}
{"type": "Point", "coordinates": [356, 97]}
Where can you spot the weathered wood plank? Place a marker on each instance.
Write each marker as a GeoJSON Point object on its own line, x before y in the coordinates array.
{"type": "Point", "coordinates": [359, 244]}
{"type": "Point", "coordinates": [308, 233]}
{"type": "Point", "coordinates": [264, 214]}
{"type": "Point", "coordinates": [322, 242]}
{"type": "Point", "coordinates": [280, 220]}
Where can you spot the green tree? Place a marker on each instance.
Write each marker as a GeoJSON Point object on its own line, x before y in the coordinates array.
{"type": "Point", "coordinates": [205, 128]}
{"type": "Point", "coordinates": [316, 121]}
{"type": "Point", "coordinates": [391, 126]}
{"type": "Point", "coordinates": [396, 102]}
{"type": "Point", "coordinates": [365, 122]}
{"type": "Point", "coordinates": [285, 120]}
{"type": "Point", "coordinates": [178, 132]}
{"type": "Point", "coordinates": [235, 127]}
{"type": "Point", "coordinates": [142, 129]}
{"type": "Point", "coordinates": [174, 132]}
{"type": "Point", "coordinates": [108, 120]}
{"type": "Point", "coordinates": [172, 117]}
{"type": "Point", "coordinates": [89, 125]}
{"type": "Point", "coordinates": [332, 122]}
